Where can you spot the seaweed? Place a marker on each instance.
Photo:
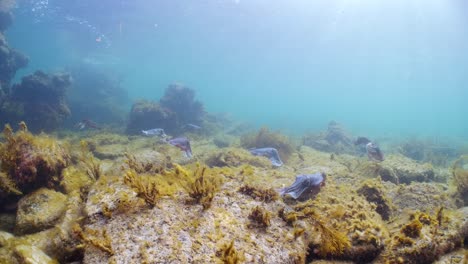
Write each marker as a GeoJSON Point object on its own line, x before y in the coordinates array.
{"type": "Point", "coordinates": [91, 237]}
{"type": "Point", "coordinates": [412, 229]}
{"type": "Point", "coordinates": [259, 217]}
{"type": "Point", "coordinates": [8, 186]}
{"type": "Point", "coordinates": [202, 186]}
{"type": "Point", "coordinates": [333, 242]}
{"type": "Point", "coordinates": [460, 177]}
{"type": "Point", "coordinates": [91, 165]}
{"type": "Point", "coordinates": [144, 167]}
{"type": "Point", "coordinates": [258, 193]}
{"type": "Point", "coordinates": [229, 255]}
{"type": "Point", "coordinates": [145, 187]}
{"type": "Point", "coordinates": [29, 161]}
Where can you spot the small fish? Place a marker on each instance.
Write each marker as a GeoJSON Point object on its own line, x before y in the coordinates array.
{"type": "Point", "coordinates": [374, 152]}
{"type": "Point", "coordinates": [270, 153]}
{"type": "Point", "coordinates": [183, 144]}
{"type": "Point", "coordinates": [86, 123]}
{"type": "Point", "coordinates": [154, 132]}
{"type": "Point", "coordinates": [305, 186]}
{"type": "Point", "coordinates": [192, 126]}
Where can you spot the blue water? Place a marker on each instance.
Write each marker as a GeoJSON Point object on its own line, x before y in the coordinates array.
{"type": "Point", "coordinates": [387, 68]}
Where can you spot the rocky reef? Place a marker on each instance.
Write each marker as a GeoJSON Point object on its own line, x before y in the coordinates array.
{"type": "Point", "coordinates": [336, 140]}
{"type": "Point", "coordinates": [10, 59]}
{"type": "Point", "coordinates": [41, 194]}
{"type": "Point", "coordinates": [175, 110]}
{"type": "Point", "coordinates": [400, 169]}
{"type": "Point", "coordinates": [97, 95]}
{"type": "Point", "coordinates": [460, 179]}
{"type": "Point", "coordinates": [428, 151]}
{"type": "Point", "coordinates": [29, 162]}
{"type": "Point", "coordinates": [121, 208]}
{"type": "Point", "coordinates": [40, 100]}
{"type": "Point", "coordinates": [147, 114]}
{"type": "Point", "coordinates": [181, 100]}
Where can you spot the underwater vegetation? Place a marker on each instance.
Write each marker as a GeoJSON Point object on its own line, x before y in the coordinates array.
{"type": "Point", "coordinates": [423, 238]}
{"type": "Point", "coordinates": [96, 238]}
{"type": "Point", "coordinates": [460, 178]}
{"type": "Point", "coordinates": [332, 242]}
{"type": "Point", "coordinates": [39, 100]}
{"type": "Point", "coordinates": [174, 111]}
{"type": "Point", "coordinates": [259, 218]}
{"type": "Point", "coordinates": [229, 255]}
{"type": "Point", "coordinates": [29, 162]}
{"type": "Point", "coordinates": [265, 138]}
{"type": "Point", "coordinates": [96, 94]}
{"type": "Point", "coordinates": [90, 164]}
{"type": "Point", "coordinates": [146, 187]}
{"type": "Point", "coordinates": [202, 185]}
{"type": "Point", "coordinates": [259, 193]}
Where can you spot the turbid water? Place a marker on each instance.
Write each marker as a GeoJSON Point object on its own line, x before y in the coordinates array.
{"type": "Point", "coordinates": [387, 68]}
{"type": "Point", "coordinates": [233, 131]}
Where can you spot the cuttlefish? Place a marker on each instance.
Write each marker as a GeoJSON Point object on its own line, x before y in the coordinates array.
{"type": "Point", "coordinates": [183, 144]}
{"type": "Point", "coordinates": [270, 153]}
{"type": "Point", "coordinates": [305, 186]}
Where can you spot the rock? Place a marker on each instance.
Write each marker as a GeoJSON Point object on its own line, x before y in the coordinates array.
{"type": "Point", "coordinates": [7, 222]}
{"type": "Point", "coordinates": [175, 232]}
{"type": "Point", "coordinates": [336, 139]}
{"type": "Point", "coordinates": [111, 152]}
{"type": "Point", "coordinates": [4, 237]}
{"type": "Point", "coordinates": [397, 169]}
{"type": "Point", "coordinates": [407, 170]}
{"type": "Point", "coordinates": [30, 162]}
{"type": "Point", "coordinates": [6, 19]}
{"type": "Point", "coordinates": [32, 255]}
{"type": "Point", "coordinates": [10, 61]}
{"type": "Point", "coordinates": [416, 242]}
{"type": "Point", "coordinates": [40, 210]}
{"type": "Point", "coordinates": [235, 157]}
{"type": "Point", "coordinates": [223, 141]}
{"type": "Point", "coordinates": [181, 100]}
{"type": "Point", "coordinates": [374, 193]}
{"type": "Point", "coordinates": [147, 115]}
{"type": "Point", "coordinates": [42, 99]}
{"type": "Point", "coordinates": [419, 196]}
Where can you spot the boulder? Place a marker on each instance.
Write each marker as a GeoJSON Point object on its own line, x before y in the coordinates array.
{"type": "Point", "coordinates": [40, 210]}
